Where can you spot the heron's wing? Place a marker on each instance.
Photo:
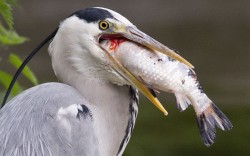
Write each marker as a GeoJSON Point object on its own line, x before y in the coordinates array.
{"type": "Point", "coordinates": [47, 120]}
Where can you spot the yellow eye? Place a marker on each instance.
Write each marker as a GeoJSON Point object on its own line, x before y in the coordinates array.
{"type": "Point", "coordinates": [103, 25]}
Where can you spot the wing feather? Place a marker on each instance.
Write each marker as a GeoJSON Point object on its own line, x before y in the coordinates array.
{"type": "Point", "coordinates": [51, 119]}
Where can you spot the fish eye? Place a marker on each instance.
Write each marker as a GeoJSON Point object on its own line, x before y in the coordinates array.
{"type": "Point", "coordinates": [103, 25]}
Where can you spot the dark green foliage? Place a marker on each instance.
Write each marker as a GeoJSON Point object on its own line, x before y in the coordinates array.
{"type": "Point", "coordinates": [8, 37]}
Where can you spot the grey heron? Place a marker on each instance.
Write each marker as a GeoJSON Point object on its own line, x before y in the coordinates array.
{"type": "Point", "coordinates": [93, 111]}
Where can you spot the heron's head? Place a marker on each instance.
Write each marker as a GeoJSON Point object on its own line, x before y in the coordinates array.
{"type": "Point", "coordinates": [77, 45]}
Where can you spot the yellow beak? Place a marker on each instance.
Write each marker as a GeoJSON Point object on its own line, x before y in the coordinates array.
{"type": "Point", "coordinates": [135, 35]}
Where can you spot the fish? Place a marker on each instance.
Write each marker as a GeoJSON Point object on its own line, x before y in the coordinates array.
{"type": "Point", "coordinates": [159, 72]}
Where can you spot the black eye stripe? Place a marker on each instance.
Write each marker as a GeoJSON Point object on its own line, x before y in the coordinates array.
{"type": "Point", "coordinates": [93, 14]}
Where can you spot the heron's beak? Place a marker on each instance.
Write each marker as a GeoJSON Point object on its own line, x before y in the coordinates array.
{"type": "Point", "coordinates": [137, 36]}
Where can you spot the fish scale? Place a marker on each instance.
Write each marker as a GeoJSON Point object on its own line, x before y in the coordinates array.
{"type": "Point", "coordinates": [163, 73]}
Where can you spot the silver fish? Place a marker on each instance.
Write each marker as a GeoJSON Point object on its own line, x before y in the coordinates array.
{"type": "Point", "coordinates": [160, 72]}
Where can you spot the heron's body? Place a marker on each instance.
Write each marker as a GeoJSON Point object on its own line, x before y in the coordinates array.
{"type": "Point", "coordinates": [47, 115]}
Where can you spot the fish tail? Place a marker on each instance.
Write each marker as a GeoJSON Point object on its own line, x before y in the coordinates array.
{"type": "Point", "coordinates": [208, 120]}
{"type": "Point", "coordinates": [182, 101]}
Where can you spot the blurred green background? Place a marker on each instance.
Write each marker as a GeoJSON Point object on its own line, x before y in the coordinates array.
{"type": "Point", "coordinates": [213, 35]}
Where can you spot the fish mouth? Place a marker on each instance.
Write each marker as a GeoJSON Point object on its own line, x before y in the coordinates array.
{"type": "Point", "coordinates": [133, 34]}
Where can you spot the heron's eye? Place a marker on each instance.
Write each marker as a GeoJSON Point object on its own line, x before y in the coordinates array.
{"type": "Point", "coordinates": [103, 25]}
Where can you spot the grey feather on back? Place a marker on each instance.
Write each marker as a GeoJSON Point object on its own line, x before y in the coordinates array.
{"type": "Point", "coordinates": [47, 120]}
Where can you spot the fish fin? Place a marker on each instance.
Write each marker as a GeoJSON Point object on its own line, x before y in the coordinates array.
{"type": "Point", "coordinates": [210, 118]}
{"type": "Point", "coordinates": [182, 101]}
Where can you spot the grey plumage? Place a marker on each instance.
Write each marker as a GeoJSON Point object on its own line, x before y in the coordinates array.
{"type": "Point", "coordinates": [36, 126]}
{"type": "Point", "coordinates": [49, 126]}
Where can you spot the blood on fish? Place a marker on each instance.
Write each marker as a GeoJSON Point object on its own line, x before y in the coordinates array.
{"type": "Point", "coordinates": [114, 43]}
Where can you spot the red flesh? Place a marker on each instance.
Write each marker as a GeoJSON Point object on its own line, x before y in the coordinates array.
{"type": "Point", "coordinates": [114, 43]}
